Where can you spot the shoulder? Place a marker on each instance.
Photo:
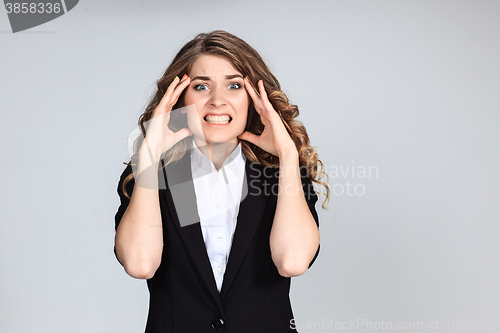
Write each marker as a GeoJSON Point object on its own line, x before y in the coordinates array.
{"type": "Point", "coordinates": [126, 173]}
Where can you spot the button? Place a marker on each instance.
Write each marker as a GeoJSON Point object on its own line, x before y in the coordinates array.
{"type": "Point", "coordinates": [217, 324]}
{"type": "Point", "coordinates": [219, 270]}
{"type": "Point", "coordinates": [217, 205]}
{"type": "Point", "coordinates": [219, 238]}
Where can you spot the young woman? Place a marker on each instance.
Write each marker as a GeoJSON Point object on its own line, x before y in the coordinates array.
{"type": "Point", "coordinates": [217, 204]}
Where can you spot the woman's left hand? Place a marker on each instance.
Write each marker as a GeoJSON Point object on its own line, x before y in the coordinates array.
{"type": "Point", "coordinates": [275, 138]}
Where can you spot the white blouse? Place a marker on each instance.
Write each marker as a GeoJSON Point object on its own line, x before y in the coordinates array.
{"type": "Point", "coordinates": [218, 196]}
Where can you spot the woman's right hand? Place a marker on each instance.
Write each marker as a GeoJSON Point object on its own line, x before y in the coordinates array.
{"type": "Point", "coordinates": [159, 137]}
{"type": "Point", "coordinates": [139, 235]}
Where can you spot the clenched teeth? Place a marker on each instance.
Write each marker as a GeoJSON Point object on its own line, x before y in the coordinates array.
{"type": "Point", "coordinates": [220, 120]}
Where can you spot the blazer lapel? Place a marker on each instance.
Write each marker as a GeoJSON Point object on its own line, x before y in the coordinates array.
{"type": "Point", "coordinates": [180, 189]}
{"type": "Point", "coordinates": [181, 199]}
{"type": "Point", "coordinates": [249, 216]}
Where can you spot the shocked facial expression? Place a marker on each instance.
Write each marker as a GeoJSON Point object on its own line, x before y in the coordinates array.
{"type": "Point", "coordinates": [218, 92]}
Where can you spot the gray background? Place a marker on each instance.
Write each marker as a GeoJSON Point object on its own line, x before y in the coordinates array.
{"type": "Point", "coordinates": [411, 87]}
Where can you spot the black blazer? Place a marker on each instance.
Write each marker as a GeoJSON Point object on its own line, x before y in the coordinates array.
{"type": "Point", "coordinates": [183, 294]}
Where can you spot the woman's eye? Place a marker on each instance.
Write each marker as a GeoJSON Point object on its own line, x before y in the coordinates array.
{"type": "Point", "coordinates": [234, 86]}
{"type": "Point", "coordinates": [201, 87]}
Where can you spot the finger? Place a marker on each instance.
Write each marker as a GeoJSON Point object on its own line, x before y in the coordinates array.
{"type": "Point", "coordinates": [250, 137]}
{"type": "Point", "coordinates": [166, 97]}
{"type": "Point", "coordinates": [178, 90]}
{"type": "Point", "coordinates": [253, 94]}
{"type": "Point", "coordinates": [263, 96]}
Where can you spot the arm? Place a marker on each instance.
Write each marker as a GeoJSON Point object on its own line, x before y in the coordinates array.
{"type": "Point", "coordinates": [139, 233]}
{"type": "Point", "coordinates": [294, 238]}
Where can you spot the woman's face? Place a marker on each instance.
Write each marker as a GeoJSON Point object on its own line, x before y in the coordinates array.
{"type": "Point", "coordinates": [221, 100]}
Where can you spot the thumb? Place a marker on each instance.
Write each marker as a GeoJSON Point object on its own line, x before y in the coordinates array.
{"type": "Point", "coordinates": [250, 137]}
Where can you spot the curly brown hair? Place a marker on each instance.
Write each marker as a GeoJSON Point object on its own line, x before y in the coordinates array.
{"type": "Point", "coordinates": [250, 64]}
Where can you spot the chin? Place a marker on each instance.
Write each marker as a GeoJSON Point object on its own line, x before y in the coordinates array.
{"type": "Point", "coordinates": [218, 139]}
{"type": "Point", "coordinates": [220, 136]}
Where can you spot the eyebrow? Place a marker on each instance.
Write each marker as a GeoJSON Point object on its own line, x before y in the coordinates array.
{"type": "Point", "coordinates": [207, 78]}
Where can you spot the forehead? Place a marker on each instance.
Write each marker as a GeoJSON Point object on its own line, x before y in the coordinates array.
{"type": "Point", "coordinates": [209, 65]}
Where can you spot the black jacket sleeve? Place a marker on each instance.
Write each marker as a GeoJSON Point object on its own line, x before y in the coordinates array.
{"type": "Point", "coordinates": [124, 201]}
{"type": "Point", "coordinates": [311, 199]}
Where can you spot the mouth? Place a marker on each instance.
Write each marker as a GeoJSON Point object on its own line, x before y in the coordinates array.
{"type": "Point", "coordinates": [218, 119]}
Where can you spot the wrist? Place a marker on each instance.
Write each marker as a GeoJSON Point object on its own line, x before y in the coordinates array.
{"type": "Point", "coordinates": [152, 154]}
{"type": "Point", "coordinates": [146, 158]}
{"type": "Point", "coordinates": [288, 153]}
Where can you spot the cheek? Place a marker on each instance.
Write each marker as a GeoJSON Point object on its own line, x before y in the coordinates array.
{"type": "Point", "coordinates": [194, 122]}
{"type": "Point", "coordinates": [241, 104]}
{"type": "Point", "coordinates": [244, 113]}
{"type": "Point", "coordinates": [197, 99]}
{"type": "Point", "coordinates": [192, 96]}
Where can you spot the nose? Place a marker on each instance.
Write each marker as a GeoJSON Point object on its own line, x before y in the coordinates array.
{"type": "Point", "coordinates": [217, 97]}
